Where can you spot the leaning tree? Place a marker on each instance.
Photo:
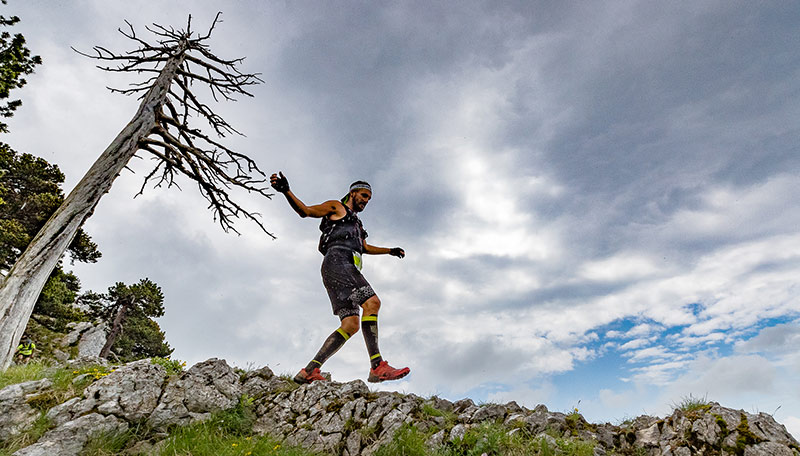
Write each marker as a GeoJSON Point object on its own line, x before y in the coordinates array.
{"type": "Point", "coordinates": [176, 61]}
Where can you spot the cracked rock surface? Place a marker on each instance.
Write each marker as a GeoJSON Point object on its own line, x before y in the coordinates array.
{"type": "Point", "coordinates": [349, 419]}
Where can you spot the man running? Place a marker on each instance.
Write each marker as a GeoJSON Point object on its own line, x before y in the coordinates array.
{"type": "Point", "coordinates": [343, 242]}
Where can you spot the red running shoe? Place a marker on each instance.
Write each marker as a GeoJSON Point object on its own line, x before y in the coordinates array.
{"type": "Point", "coordinates": [386, 372]}
{"type": "Point", "coordinates": [304, 377]}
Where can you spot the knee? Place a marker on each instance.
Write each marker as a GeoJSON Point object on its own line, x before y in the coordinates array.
{"type": "Point", "coordinates": [350, 325]}
{"type": "Point", "coordinates": [372, 305]}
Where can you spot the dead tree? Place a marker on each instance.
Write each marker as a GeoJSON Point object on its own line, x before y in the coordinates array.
{"type": "Point", "coordinates": [175, 63]}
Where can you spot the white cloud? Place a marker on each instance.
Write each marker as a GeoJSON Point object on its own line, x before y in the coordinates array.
{"type": "Point", "coordinates": [538, 198]}
{"type": "Point", "coordinates": [623, 266]}
{"type": "Point", "coordinates": [792, 424]}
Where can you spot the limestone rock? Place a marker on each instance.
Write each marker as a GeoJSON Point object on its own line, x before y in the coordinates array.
{"type": "Point", "coordinates": [70, 438]}
{"type": "Point", "coordinates": [92, 341]}
{"type": "Point", "coordinates": [348, 419]}
{"type": "Point", "coordinates": [130, 392]}
{"type": "Point", "coordinates": [458, 432]}
{"type": "Point", "coordinates": [260, 382]}
{"type": "Point", "coordinates": [768, 449]}
{"type": "Point", "coordinates": [489, 412]}
{"type": "Point", "coordinates": [86, 361]}
{"type": "Point", "coordinates": [17, 414]}
{"type": "Point", "coordinates": [649, 436]}
{"type": "Point", "coordinates": [206, 387]}
{"type": "Point", "coordinates": [76, 329]}
{"type": "Point", "coordinates": [62, 413]}
{"type": "Point", "coordinates": [60, 356]}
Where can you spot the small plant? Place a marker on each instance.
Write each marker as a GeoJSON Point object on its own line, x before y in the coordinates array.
{"type": "Point", "coordinates": [407, 441]}
{"type": "Point", "coordinates": [113, 443]}
{"type": "Point", "coordinates": [172, 366]}
{"type": "Point", "coordinates": [34, 370]}
{"type": "Point", "coordinates": [237, 421]}
{"type": "Point", "coordinates": [691, 403]}
{"type": "Point", "coordinates": [27, 437]}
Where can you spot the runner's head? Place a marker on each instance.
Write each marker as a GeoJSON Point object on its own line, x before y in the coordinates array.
{"type": "Point", "coordinates": [360, 193]}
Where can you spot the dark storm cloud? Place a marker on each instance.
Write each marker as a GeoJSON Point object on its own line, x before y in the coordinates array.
{"type": "Point", "coordinates": [549, 168]}
{"type": "Point", "coordinates": [354, 64]}
{"type": "Point", "coordinates": [667, 103]}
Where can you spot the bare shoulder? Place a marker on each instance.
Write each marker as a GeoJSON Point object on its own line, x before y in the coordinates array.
{"type": "Point", "coordinates": [337, 209]}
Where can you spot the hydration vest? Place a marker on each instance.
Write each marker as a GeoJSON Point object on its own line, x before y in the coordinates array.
{"type": "Point", "coordinates": [26, 349]}
{"type": "Point", "coordinates": [345, 232]}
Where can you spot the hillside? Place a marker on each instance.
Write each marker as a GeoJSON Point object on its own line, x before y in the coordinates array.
{"type": "Point", "coordinates": [148, 400]}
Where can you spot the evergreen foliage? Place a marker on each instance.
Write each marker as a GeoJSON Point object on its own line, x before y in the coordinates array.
{"type": "Point", "coordinates": [30, 191]}
{"type": "Point", "coordinates": [129, 311]}
{"type": "Point", "coordinates": [15, 62]}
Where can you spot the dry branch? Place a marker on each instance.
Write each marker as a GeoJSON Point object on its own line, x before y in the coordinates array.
{"type": "Point", "coordinates": [178, 147]}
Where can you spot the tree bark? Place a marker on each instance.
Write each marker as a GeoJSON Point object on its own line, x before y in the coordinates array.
{"type": "Point", "coordinates": [116, 327]}
{"type": "Point", "coordinates": [21, 288]}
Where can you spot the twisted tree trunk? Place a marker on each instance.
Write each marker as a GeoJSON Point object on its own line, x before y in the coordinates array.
{"type": "Point", "coordinates": [116, 327]}
{"type": "Point", "coordinates": [21, 288]}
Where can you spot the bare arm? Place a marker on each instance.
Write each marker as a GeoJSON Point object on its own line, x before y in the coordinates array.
{"type": "Point", "coordinates": [373, 250]}
{"type": "Point", "coordinates": [325, 209]}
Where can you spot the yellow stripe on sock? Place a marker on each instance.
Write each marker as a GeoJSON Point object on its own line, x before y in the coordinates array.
{"type": "Point", "coordinates": [315, 361]}
{"type": "Point", "coordinates": [343, 333]}
{"type": "Point", "coordinates": [369, 318]}
{"type": "Point", "coordinates": [377, 355]}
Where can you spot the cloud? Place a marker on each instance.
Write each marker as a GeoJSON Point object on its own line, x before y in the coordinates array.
{"type": "Point", "coordinates": [575, 187]}
{"type": "Point", "coordinates": [781, 338]}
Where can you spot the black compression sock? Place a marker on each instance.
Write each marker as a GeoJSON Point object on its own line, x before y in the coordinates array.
{"type": "Point", "coordinates": [369, 326]}
{"type": "Point", "coordinates": [332, 344]}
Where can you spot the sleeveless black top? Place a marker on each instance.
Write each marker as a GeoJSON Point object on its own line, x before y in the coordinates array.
{"type": "Point", "coordinates": [346, 232]}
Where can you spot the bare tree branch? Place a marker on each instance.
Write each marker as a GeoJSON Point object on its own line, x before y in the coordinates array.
{"type": "Point", "coordinates": [178, 147]}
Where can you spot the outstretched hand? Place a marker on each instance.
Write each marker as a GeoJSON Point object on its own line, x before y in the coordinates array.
{"type": "Point", "coordinates": [398, 252]}
{"type": "Point", "coordinates": [279, 183]}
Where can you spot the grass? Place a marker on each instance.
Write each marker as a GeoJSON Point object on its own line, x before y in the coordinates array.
{"type": "Point", "coordinates": [429, 410]}
{"type": "Point", "coordinates": [172, 366]}
{"type": "Point", "coordinates": [489, 439]}
{"type": "Point", "coordinates": [114, 443]}
{"type": "Point", "coordinates": [27, 437]}
{"type": "Point", "coordinates": [34, 370]}
{"type": "Point", "coordinates": [227, 433]}
{"type": "Point", "coordinates": [64, 387]}
{"type": "Point", "coordinates": [692, 403]}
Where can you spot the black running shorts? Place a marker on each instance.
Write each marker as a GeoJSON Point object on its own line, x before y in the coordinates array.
{"type": "Point", "coordinates": [347, 288]}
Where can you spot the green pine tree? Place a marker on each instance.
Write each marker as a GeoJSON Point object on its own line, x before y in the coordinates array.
{"type": "Point", "coordinates": [129, 311]}
{"type": "Point", "coordinates": [15, 63]}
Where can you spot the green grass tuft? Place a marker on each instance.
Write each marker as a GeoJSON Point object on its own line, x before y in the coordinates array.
{"type": "Point", "coordinates": [34, 370]}
{"type": "Point", "coordinates": [407, 441]}
{"type": "Point", "coordinates": [692, 403]}
{"type": "Point", "coordinates": [172, 366]}
{"type": "Point", "coordinates": [27, 437]}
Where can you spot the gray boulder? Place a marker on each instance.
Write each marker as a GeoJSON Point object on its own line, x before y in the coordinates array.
{"type": "Point", "coordinates": [76, 329]}
{"type": "Point", "coordinates": [206, 387]}
{"type": "Point", "coordinates": [17, 414]}
{"type": "Point", "coordinates": [70, 438]}
{"type": "Point", "coordinates": [130, 392]}
{"type": "Point", "coordinates": [92, 341]}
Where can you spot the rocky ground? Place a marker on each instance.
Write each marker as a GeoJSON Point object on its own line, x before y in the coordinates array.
{"type": "Point", "coordinates": [349, 419]}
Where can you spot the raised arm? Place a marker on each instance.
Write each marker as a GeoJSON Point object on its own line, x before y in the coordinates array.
{"type": "Point", "coordinates": [281, 184]}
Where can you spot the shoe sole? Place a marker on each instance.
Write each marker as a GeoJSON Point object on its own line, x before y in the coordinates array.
{"type": "Point", "coordinates": [376, 379]}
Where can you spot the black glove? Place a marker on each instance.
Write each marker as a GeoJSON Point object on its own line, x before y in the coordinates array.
{"type": "Point", "coordinates": [280, 184]}
{"type": "Point", "coordinates": [398, 252]}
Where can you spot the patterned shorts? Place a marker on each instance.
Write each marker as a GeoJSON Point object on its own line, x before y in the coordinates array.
{"type": "Point", "coordinates": [346, 287]}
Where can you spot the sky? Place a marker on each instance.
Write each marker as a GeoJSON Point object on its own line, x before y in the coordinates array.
{"type": "Point", "coordinates": [597, 200]}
